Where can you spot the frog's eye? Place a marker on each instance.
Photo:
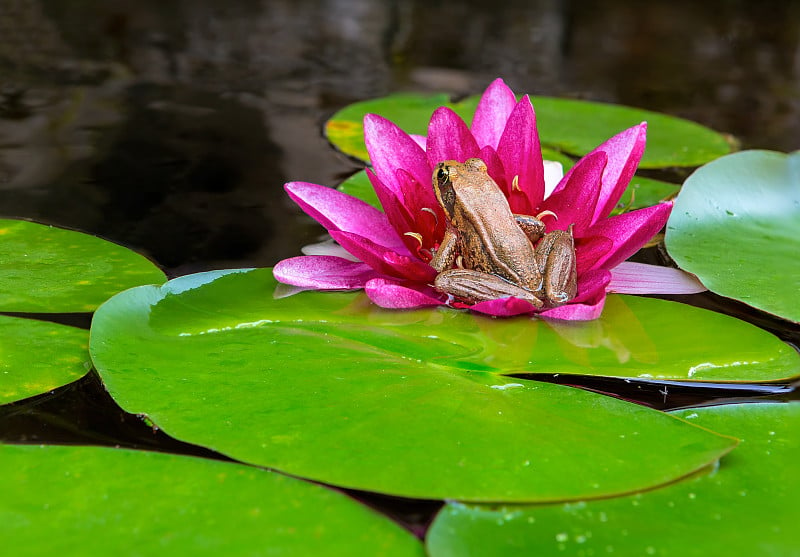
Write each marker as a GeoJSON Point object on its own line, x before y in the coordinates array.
{"type": "Point", "coordinates": [442, 174]}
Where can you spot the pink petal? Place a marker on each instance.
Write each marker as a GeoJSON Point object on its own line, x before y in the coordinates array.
{"type": "Point", "coordinates": [383, 259]}
{"type": "Point", "coordinates": [494, 109]}
{"type": "Point", "coordinates": [431, 226]}
{"type": "Point", "coordinates": [592, 286]}
{"type": "Point", "coordinates": [393, 295]}
{"type": "Point", "coordinates": [590, 250]}
{"type": "Point", "coordinates": [412, 268]}
{"type": "Point", "coordinates": [390, 149]}
{"type": "Point", "coordinates": [521, 153]}
{"type": "Point", "coordinates": [323, 272]}
{"type": "Point", "coordinates": [640, 278]}
{"type": "Point", "coordinates": [449, 138]}
{"type": "Point", "coordinates": [624, 152]}
{"type": "Point", "coordinates": [576, 312]}
{"type": "Point", "coordinates": [494, 167]}
{"type": "Point", "coordinates": [629, 232]}
{"type": "Point", "coordinates": [411, 214]}
{"type": "Point", "coordinates": [338, 211]}
{"type": "Point", "coordinates": [503, 307]}
{"type": "Point", "coordinates": [419, 198]}
{"type": "Point", "coordinates": [574, 203]}
{"type": "Point", "coordinates": [393, 206]}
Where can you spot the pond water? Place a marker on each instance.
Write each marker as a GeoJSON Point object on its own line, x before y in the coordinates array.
{"type": "Point", "coordinates": [171, 127]}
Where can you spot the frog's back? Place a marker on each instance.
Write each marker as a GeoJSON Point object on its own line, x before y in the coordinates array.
{"type": "Point", "coordinates": [490, 239]}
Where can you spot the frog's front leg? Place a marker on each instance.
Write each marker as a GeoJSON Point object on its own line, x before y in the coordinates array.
{"type": "Point", "coordinates": [446, 252]}
{"type": "Point", "coordinates": [555, 257]}
{"type": "Point", "coordinates": [475, 286]}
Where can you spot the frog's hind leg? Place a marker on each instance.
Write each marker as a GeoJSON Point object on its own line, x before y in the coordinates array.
{"type": "Point", "coordinates": [475, 286]}
{"type": "Point", "coordinates": [555, 257]}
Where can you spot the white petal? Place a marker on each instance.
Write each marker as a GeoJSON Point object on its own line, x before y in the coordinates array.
{"type": "Point", "coordinates": [328, 247]}
{"type": "Point", "coordinates": [285, 290]}
{"type": "Point", "coordinates": [420, 140]}
{"type": "Point", "coordinates": [553, 172]}
{"type": "Point", "coordinates": [640, 278]}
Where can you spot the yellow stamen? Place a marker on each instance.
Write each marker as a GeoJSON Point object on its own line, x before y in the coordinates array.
{"type": "Point", "coordinates": [416, 235]}
{"type": "Point", "coordinates": [431, 211]}
{"type": "Point", "coordinates": [547, 214]}
{"type": "Point", "coordinates": [515, 183]}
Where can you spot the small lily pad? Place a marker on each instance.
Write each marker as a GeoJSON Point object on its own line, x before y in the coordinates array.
{"type": "Point", "coordinates": [102, 501]}
{"type": "Point", "coordinates": [326, 386]}
{"type": "Point", "coordinates": [736, 225]}
{"type": "Point", "coordinates": [38, 356]}
{"type": "Point", "coordinates": [572, 126]}
{"type": "Point", "coordinates": [46, 269]}
{"type": "Point", "coordinates": [745, 506]}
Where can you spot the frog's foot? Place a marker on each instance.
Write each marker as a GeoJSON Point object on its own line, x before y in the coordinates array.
{"type": "Point", "coordinates": [555, 257]}
{"type": "Point", "coordinates": [475, 286]}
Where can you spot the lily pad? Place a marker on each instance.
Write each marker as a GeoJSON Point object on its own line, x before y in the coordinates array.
{"type": "Point", "coordinates": [576, 127]}
{"type": "Point", "coordinates": [746, 506]}
{"type": "Point", "coordinates": [736, 225]}
{"type": "Point", "coordinates": [101, 501]}
{"type": "Point", "coordinates": [573, 126]}
{"type": "Point", "coordinates": [47, 269]}
{"type": "Point", "coordinates": [38, 356]}
{"type": "Point", "coordinates": [634, 338]}
{"type": "Point", "coordinates": [327, 387]}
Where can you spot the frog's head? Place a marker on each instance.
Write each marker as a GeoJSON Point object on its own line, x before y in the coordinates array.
{"type": "Point", "coordinates": [443, 176]}
{"type": "Point", "coordinates": [451, 176]}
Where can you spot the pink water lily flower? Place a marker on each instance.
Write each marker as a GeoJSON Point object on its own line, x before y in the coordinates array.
{"type": "Point", "coordinates": [387, 253]}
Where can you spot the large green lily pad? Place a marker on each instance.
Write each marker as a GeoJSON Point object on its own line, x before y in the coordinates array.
{"type": "Point", "coordinates": [100, 501]}
{"type": "Point", "coordinates": [635, 337]}
{"type": "Point", "coordinates": [38, 356]}
{"type": "Point", "coordinates": [325, 386]}
{"type": "Point", "coordinates": [746, 506]}
{"type": "Point", "coordinates": [573, 126]}
{"type": "Point", "coordinates": [736, 225]}
{"type": "Point", "coordinates": [46, 269]}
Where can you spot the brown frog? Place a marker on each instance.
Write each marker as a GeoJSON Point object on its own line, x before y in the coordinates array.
{"type": "Point", "coordinates": [493, 248]}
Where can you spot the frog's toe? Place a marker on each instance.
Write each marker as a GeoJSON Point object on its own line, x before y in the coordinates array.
{"type": "Point", "coordinates": [555, 299]}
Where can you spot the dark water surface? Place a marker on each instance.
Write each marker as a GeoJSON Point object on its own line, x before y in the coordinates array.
{"type": "Point", "coordinates": [170, 127]}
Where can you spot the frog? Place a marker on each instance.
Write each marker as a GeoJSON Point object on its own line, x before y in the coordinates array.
{"type": "Point", "coordinates": [488, 252]}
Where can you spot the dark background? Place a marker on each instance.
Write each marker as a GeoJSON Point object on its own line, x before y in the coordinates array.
{"type": "Point", "coordinates": [171, 126]}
